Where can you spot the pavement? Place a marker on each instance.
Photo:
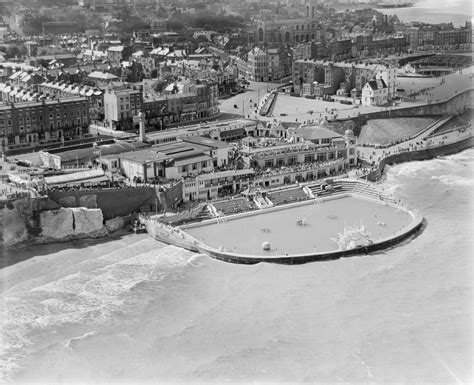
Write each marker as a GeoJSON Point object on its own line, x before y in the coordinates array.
{"type": "Point", "coordinates": [419, 142]}
{"type": "Point", "coordinates": [245, 101]}
{"type": "Point", "coordinates": [296, 109]}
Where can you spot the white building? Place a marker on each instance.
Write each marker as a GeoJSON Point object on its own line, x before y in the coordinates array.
{"type": "Point", "coordinates": [375, 93]}
{"type": "Point", "coordinates": [257, 65]}
{"type": "Point", "coordinates": [389, 75]}
{"type": "Point", "coordinates": [120, 106]}
{"type": "Point", "coordinates": [188, 158]}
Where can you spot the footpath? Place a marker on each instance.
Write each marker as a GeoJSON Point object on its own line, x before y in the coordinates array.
{"type": "Point", "coordinates": [426, 140]}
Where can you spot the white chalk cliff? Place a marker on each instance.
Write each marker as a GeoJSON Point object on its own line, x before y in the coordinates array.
{"type": "Point", "coordinates": [72, 222]}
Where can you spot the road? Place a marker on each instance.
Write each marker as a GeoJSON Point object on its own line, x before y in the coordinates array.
{"type": "Point", "coordinates": [255, 93]}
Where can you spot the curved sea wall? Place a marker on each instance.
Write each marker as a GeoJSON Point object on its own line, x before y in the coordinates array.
{"type": "Point", "coordinates": [425, 154]}
{"type": "Point", "coordinates": [382, 244]}
{"type": "Point", "coordinates": [179, 237]}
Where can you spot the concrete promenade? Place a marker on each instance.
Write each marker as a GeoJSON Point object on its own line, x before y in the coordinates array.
{"type": "Point", "coordinates": [417, 92]}
{"type": "Point", "coordinates": [425, 140]}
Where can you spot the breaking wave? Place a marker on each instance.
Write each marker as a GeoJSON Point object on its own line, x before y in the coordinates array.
{"type": "Point", "coordinates": [454, 180]}
{"type": "Point", "coordinates": [103, 288]}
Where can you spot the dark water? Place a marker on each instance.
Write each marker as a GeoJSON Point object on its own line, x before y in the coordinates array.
{"type": "Point", "coordinates": [137, 310]}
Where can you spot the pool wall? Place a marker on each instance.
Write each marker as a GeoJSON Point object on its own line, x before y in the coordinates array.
{"type": "Point", "coordinates": [381, 244]}
{"type": "Point", "coordinates": [179, 237]}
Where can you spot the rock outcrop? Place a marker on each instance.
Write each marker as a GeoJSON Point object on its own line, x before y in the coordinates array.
{"type": "Point", "coordinates": [13, 226]}
{"type": "Point", "coordinates": [115, 224]}
{"type": "Point", "coordinates": [71, 223]}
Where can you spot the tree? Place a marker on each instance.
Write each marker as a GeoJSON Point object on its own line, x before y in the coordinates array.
{"type": "Point", "coordinates": [15, 51]}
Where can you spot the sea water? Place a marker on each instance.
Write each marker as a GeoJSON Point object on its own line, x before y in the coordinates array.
{"type": "Point", "coordinates": [136, 310]}
{"type": "Point", "coordinates": [434, 12]}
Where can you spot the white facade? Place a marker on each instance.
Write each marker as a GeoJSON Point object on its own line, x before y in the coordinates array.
{"type": "Point", "coordinates": [389, 76]}
{"type": "Point", "coordinates": [374, 93]}
{"type": "Point", "coordinates": [257, 64]}
{"type": "Point", "coordinates": [120, 105]}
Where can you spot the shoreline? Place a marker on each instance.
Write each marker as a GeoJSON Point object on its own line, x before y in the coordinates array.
{"type": "Point", "coordinates": [374, 176]}
{"type": "Point", "coordinates": [8, 253]}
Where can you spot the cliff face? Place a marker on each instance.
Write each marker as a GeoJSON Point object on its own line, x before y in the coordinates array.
{"type": "Point", "coordinates": [13, 224]}
{"type": "Point", "coordinates": [71, 223]}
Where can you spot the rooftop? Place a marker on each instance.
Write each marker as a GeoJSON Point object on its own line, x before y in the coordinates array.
{"type": "Point", "coordinates": [44, 102]}
{"type": "Point", "coordinates": [315, 132]}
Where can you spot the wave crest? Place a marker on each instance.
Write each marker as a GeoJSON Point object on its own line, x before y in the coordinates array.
{"type": "Point", "coordinates": [454, 180]}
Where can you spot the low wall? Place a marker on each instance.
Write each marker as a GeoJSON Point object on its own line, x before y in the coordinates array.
{"type": "Point", "coordinates": [412, 228]}
{"type": "Point", "coordinates": [180, 238]}
{"type": "Point", "coordinates": [452, 105]}
{"type": "Point", "coordinates": [425, 154]}
{"type": "Point", "coordinates": [305, 258]}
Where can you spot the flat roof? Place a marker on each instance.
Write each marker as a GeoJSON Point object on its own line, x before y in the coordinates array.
{"type": "Point", "coordinates": [203, 141]}
{"type": "Point", "coordinates": [221, 125]}
{"type": "Point", "coordinates": [75, 176]}
{"type": "Point", "coordinates": [106, 149]}
{"type": "Point", "coordinates": [316, 132]}
{"type": "Point", "coordinates": [167, 151]}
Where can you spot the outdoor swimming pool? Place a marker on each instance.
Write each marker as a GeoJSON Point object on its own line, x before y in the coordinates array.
{"type": "Point", "coordinates": [245, 235]}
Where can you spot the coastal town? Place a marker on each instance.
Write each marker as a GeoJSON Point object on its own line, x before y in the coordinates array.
{"type": "Point", "coordinates": [219, 191]}
{"type": "Point", "coordinates": [121, 108]}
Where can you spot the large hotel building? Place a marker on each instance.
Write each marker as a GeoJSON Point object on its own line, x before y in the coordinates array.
{"type": "Point", "coordinates": [30, 124]}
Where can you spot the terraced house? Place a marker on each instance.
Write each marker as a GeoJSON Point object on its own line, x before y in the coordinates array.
{"type": "Point", "coordinates": [30, 124]}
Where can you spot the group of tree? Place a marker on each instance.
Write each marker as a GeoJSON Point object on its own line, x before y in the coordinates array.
{"type": "Point", "coordinates": [83, 20]}
{"type": "Point", "coordinates": [13, 51]}
{"type": "Point", "coordinates": [205, 21]}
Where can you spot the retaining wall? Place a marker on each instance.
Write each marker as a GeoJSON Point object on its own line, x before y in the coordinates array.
{"type": "Point", "coordinates": [425, 154]}
{"type": "Point", "coordinates": [192, 244]}
{"type": "Point", "coordinates": [112, 202]}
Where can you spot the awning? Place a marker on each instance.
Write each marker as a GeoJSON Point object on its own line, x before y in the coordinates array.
{"type": "Point", "coordinates": [233, 132]}
{"type": "Point", "coordinates": [183, 162]}
{"type": "Point", "coordinates": [81, 177]}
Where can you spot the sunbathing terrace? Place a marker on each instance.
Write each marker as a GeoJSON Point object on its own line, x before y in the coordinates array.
{"type": "Point", "coordinates": [309, 229]}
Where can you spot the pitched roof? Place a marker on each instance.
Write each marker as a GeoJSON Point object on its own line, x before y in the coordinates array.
{"type": "Point", "coordinates": [118, 48]}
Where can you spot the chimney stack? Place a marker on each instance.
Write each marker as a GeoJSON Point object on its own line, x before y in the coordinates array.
{"type": "Point", "coordinates": [141, 125]}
